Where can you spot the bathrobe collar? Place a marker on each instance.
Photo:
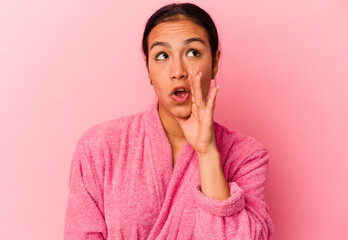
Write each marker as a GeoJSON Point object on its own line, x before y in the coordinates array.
{"type": "Point", "coordinates": [161, 149]}
{"type": "Point", "coordinates": [160, 143]}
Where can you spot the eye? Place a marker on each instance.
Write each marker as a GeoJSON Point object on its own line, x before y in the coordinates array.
{"type": "Point", "coordinates": [195, 52]}
{"type": "Point", "coordinates": [163, 56]}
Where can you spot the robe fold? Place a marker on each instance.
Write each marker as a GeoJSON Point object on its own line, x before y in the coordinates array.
{"type": "Point", "coordinates": [122, 185]}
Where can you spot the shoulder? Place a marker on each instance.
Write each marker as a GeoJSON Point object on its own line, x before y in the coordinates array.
{"type": "Point", "coordinates": [237, 144]}
{"type": "Point", "coordinates": [240, 153]}
{"type": "Point", "coordinates": [104, 133]}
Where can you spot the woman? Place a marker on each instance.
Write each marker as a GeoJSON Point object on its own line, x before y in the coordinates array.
{"type": "Point", "coordinates": [170, 172]}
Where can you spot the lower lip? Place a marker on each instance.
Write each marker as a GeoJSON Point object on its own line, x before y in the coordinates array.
{"type": "Point", "coordinates": [180, 99]}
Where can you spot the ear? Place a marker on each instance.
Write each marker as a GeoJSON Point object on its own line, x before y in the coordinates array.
{"type": "Point", "coordinates": [216, 62]}
{"type": "Point", "coordinates": [145, 63]}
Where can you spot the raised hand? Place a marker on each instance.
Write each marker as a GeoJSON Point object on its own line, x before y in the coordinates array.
{"type": "Point", "coordinates": [198, 128]}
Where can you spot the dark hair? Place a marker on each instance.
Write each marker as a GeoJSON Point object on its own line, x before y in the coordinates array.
{"type": "Point", "coordinates": [192, 12]}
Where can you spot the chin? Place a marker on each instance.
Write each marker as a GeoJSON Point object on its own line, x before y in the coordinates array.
{"type": "Point", "coordinates": [183, 111]}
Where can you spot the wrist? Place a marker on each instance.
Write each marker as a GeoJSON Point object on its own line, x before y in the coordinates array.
{"type": "Point", "coordinates": [211, 153]}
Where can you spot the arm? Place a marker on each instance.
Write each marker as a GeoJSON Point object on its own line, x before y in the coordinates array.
{"type": "Point", "coordinates": [84, 218]}
{"type": "Point", "coordinates": [244, 214]}
{"type": "Point", "coordinates": [213, 181]}
{"type": "Point", "coordinates": [240, 214]}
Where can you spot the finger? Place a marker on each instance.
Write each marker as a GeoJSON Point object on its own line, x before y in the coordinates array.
{"type": "Point", "coordinates": [180, 120]}
{"type": "Point", "coordinates": [195, 112]}
{"type": "Point", "coordinates": [212, 98]}
{"type": "Point", "coordinates": [198, 91]}
{"type": "Point", "coordinates": [191, 83]}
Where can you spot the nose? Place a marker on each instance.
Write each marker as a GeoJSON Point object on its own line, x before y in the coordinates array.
{"type": "Point", "coordinates": [178, 69]}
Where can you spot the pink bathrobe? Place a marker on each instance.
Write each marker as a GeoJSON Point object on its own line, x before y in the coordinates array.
{"type": "Point", "coordinates": [123, 185]}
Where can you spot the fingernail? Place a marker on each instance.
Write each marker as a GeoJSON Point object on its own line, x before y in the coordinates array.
{"type": "Point", "coordinates": [200, 73]}
{"type": "Point", "coordinates": [218, 86]}
{"type": "Point", "coordinates": [197, 69]}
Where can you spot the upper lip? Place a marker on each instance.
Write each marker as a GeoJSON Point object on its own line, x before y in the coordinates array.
{"type": "Point", "coordinates": [181, 86]}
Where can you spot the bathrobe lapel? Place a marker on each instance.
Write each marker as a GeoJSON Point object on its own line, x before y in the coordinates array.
{"type": "Point", "coordinates": [168, 179]}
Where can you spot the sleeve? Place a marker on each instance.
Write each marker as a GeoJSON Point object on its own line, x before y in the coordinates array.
{"type": "Point", "coordinates": [244, 215]}
{"type": "Point", "coordinates": [84, 218]}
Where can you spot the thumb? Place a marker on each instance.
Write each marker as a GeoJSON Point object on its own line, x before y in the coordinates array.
{"type": "Point", "coordinates": [180, 120]}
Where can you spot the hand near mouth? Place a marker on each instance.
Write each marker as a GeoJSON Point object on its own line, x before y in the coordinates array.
{"type": "Point", "coordinates": [198, 128]}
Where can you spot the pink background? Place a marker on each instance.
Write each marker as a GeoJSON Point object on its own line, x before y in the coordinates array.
{"type": "Point", "coordinates": [67, 65]}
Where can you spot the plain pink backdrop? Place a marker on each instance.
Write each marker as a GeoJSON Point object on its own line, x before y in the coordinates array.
{"type": "Point", "coordinates": [67, 65]}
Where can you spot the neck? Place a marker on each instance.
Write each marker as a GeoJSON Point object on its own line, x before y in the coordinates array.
{"type": "Point", "coordinates": [171, 126]}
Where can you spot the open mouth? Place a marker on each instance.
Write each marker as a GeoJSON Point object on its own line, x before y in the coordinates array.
{"type": "Point", "coordinates": [180, 95]}
{"type": "Point", "coordinates": [180, 92]}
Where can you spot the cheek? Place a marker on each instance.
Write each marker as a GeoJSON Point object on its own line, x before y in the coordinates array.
{"type": "Point", "coordinates": [160, 86]}
{"type": "Point", "coordinates": [156, 71]}
{"type": "Point", "coordinates": [205, 86]}
{"type": "Point", "coordinates": [207, 70]}
{"type": "Point", "coordinates": [207, 79]}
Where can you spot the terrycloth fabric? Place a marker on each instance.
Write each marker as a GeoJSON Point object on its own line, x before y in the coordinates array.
{"type": "Point", "coordinates": [123, 185]}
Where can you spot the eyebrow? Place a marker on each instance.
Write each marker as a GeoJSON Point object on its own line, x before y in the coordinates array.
{"type": "Point", "coordinates": [187, 41]}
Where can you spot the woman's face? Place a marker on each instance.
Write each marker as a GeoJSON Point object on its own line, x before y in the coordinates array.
{"type": "Point", "coordinates": [175, 48]}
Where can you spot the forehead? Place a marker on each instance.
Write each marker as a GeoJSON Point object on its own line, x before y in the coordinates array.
{"type": "Point", "coordinates": [182, 28]}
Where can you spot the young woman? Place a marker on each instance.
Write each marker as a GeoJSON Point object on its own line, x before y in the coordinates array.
{"type": "Point", "coordinates": [171, 172]}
